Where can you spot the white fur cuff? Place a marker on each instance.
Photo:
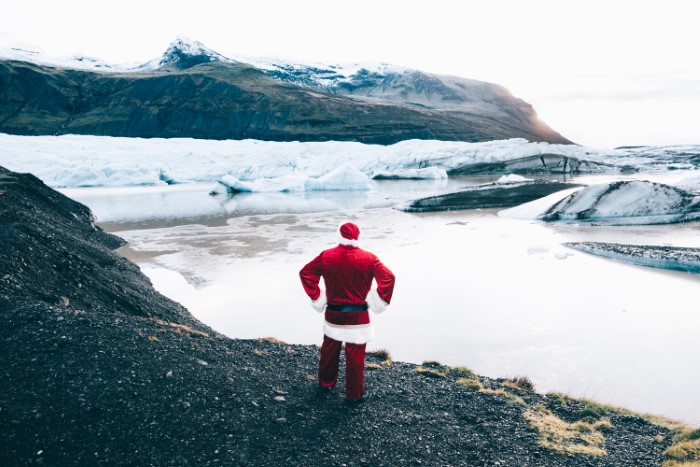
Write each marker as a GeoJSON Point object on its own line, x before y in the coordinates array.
{"type": "Point", "coordinates": [320, 303]}
{"type": "Point", "coordinates": [375, 303]}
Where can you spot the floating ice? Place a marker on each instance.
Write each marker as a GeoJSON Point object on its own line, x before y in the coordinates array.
{"type": "Point", "coordinates": [286, 183]}
{"type": "Point", "coordinates": [429, 173]}
{"type": "Point", "coordinates": [344, 178]}
{"type": "Point", "coordinates": [654, 256]}
{"type": "Point", "coordinates": [618, 203]}
{"type": "Point", "coordinates": [512, 178]}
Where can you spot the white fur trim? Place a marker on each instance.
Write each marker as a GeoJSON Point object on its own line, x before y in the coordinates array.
{"type": "Point", "coordinates": [374, 301]}
{"type": "Point", "coordinates": [348, 242]}
{"type": "Point", "coordinates": [354, 334]}
{"type": "Point", "coordinates": [320, 303]}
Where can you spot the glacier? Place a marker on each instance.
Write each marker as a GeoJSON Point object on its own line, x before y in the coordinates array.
{"type": "Point", "coordinates": [70, 161]}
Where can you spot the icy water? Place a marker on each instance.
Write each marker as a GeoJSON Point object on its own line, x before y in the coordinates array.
{"type": "Point", "coordinates": [500, 296]}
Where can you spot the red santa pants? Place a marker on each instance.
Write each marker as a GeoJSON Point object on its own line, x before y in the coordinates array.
{"type": "Point", "coordinates": [354, 367]}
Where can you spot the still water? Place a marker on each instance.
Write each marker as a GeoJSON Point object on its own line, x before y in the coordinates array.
{"type": "Point", "coordinates": [501, 296]}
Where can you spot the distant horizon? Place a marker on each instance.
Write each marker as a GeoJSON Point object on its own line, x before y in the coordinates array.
{"type": "Point", "coordinates": [601, 74]}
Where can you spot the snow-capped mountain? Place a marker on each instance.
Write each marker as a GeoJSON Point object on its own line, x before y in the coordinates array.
{"type": "Point", "coordinates": [181, 54]}
{"type": "Point", "coordinates": [353, 99]}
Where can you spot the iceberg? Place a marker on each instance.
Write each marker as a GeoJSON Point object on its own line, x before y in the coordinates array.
{"type": "Point", "coordinates": [512, 178]}
{"type": "Point", "coordinates": [344, 178]}
{"type": "Point", "coordinates": [286, 183]}
{"type": "Point", "coordinates": [618, 203]}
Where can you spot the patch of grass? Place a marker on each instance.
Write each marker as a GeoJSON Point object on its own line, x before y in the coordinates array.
{"type": "Point", "coordinates": [470, 383]}
{"type": "Point", "coordinates": [684, 452]}
{"type": "Point", "coordinates": [430, 372]}
{"type": "Point", "coordinates": [512, 398]}
{"type": "Point", "coordinates": [462, 371]}
{"type": "Point", "coordinates": [558, 398]}
{"type": "Point", "coordinates": [593, 411]}
{"type": "Point", "coordinates": [432, 364]}
{"type": "Point", "coordinates": [381, 354]}
{"type": "Point", "coordinates": [680, 464]}
{"type": "Point", "coordinates": [522, 383]}
{"type": "Point", "coordinates": [572, 438]}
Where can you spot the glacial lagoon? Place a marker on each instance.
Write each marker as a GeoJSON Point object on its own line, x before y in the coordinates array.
{"type": "Point", "coordinates": [501, 296]}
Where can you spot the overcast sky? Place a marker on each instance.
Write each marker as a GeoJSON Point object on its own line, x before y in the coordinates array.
{"type": "Point", "coordinates": [602, 73]}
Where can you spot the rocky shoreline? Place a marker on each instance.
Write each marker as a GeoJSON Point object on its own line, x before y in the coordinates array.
{"type": "Point", "coordinates": [100, 369]}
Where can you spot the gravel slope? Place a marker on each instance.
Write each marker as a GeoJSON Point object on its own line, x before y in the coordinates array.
{"type": "Point", "coordinates": [141, 382]}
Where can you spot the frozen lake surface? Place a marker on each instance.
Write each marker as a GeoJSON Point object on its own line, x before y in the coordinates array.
{"type": "Point", "coordinates": [501, 296]}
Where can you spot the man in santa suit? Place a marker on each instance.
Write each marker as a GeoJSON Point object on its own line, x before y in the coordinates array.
{"type": "Point", "coordinates": [348, 272]}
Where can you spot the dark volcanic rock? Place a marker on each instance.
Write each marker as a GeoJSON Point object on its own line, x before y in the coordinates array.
{"type": "Point", "coordinates": [52, 252]}
{"type": "Point", "coordinates": [489, 195]}
{"type": "Point", "coordinates": [141, 382]}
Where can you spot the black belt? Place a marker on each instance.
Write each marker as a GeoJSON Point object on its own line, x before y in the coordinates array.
{"type": "Point", "coordinates": [362, 307]}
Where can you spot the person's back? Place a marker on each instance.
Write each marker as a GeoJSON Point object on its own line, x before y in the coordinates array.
{"type": "Point", "coordinates": [348, 272]}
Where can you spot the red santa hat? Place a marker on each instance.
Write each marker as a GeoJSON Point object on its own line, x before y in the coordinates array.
{"type": "Point", "coordinates": [349, 234]}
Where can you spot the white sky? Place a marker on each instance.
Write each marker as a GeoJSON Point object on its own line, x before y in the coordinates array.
{"type": "Point", "coordinates": [602, 73]}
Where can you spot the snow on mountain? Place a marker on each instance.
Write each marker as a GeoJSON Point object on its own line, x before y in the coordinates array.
{"type": "Point", "coordinates": [73, 160]}
{"type": "Point", "coordinates": [181, 53]}
{"type": "Point", "coordinates": [618, 203]}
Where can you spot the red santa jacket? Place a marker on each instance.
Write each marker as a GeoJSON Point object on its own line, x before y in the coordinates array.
{"type": "Point", "coordinates": [348, 272]}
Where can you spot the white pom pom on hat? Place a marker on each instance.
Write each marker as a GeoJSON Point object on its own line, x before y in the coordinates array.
{"type": "Point", "coordinates": [349, 234]}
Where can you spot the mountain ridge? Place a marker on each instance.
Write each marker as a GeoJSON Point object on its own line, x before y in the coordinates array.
{"type": "Point", "coordinates": [307, 103]}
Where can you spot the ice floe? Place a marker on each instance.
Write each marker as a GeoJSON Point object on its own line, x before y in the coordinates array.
{"type": "Point", "coordinates": [618, 203]}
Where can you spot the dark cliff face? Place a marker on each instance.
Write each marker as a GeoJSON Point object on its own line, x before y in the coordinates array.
{"type": "Point", "coordinates": [204, 97]}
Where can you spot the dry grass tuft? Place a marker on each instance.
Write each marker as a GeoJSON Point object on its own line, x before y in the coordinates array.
{"type": "Point", "coordinates": [153, 339]}
{"type": "Point", "coordinates": [470, 383]}
{"type": "Point", "coordinates": [685, 451]}
{"type": "Point", "coordinates": [381, 354]}
{"type": "Point", "coordinates": [571, 438]}
{"type": "Point", "coordinates": [270, 340]}
{"type": "Point", "coordinates": [430, 372]}
{"type": "Point", "coordinates": [373, 366]}
{"type": "Point", "coordinates": [462, 371]}
{"type": "Point", "coordinates": [512, 398]}
{"type": "Point", "coordinates": [521, 383]}
{"type": "Point", "coordinates": [180, 328]}
{"type": "Point", "coordinates": [259, 353]}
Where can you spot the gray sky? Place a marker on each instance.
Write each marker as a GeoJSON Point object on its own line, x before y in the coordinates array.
{"type": "Point", "coordinates": [602, 73]}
